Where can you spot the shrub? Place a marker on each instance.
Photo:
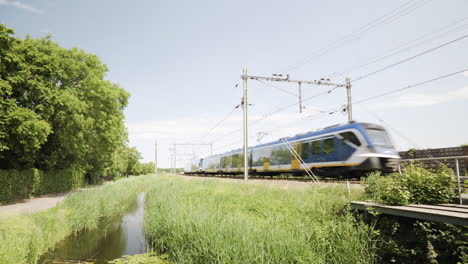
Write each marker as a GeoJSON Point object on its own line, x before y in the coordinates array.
{"type": "Point", "coordinates": [415, 185]}
{"type": "Point", "coordinates": [15, 184]}
{"type": "Point", "coordinates": [57, 180]}
{"type": "Point", "coordinates": [20, 184]}
{"type": "Point", "coordinates": [405, 240]}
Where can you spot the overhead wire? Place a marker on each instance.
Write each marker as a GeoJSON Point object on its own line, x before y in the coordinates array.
{"type": "Point", "coordinates": [336, 109]}
{"type": "Point", "coordinates": [278, 88]}
{"type": "Point", "coordinates": [410, 86]}
{"type": "Point", "coordinates": [265, 116]}
{"type": "Point", "coordinates": [364, 29]}
{"type": "Point", "coordinates": [220, 122]}
{"type": "Point", "coordinates": [410, 58]}
{"type": "Point", "coordinates": [382, 20]}
{"type": "Point", "coordinates": [408, 45]}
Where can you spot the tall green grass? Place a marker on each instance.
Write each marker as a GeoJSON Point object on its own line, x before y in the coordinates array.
{"type": "Point", "coordinates": [24, 238]}
{"type": "Point", "coordinates": [211, 221]}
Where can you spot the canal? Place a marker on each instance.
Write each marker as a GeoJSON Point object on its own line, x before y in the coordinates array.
{"type": "Point", "coordinates": [124, 236]}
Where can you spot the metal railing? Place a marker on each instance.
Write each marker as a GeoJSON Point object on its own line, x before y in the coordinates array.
{"type": "Point", "coordinates": [457, 170]}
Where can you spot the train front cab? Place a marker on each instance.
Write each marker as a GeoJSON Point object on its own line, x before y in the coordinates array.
{"type": "Point", "coordinates": [380, 153]}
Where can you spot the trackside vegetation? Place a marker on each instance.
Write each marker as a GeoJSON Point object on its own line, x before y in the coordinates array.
{"type": "Point", "coordinates": [405, 240]}
{"type": "Point", "coordinates": [212, 221]}
{"type": "Point", "coordinates": [415, 185]}
{"type": "Point", "coordinates": [25, 238]}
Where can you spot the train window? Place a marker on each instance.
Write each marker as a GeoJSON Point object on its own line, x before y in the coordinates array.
{"type": "Point", "coordinates": [379, 138]}
{"type": "Point", "coordinates": [316, 147]}
{"type": "Point", "coordinates": [225, 161]}
{"type": "Point", "coordinates": [305, 150]}
{"type": "Point", "coordinates": [328, 145]}
{"type": "Point", "coordinates": [351, 137]}
{"type": "Point", "coordinates": [235, 161]}
{"type": "Point", "coordinates": [280, 156]}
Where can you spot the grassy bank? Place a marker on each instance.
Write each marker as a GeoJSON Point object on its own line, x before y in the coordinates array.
{"type": "Point", "coordinates": [211, 221]}
{"type": "Point", "coordinates": [24, 238]}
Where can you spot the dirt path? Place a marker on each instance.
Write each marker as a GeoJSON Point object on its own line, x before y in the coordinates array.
{"type": "Point", "coordinates": [33, 205]}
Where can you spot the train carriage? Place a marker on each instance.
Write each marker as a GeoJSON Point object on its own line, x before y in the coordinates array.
{"type": "Point", "coordinates": [346, 150]}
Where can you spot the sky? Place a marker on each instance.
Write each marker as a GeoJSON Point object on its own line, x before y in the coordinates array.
{"type": "Point", "coordinates": [182, 62]}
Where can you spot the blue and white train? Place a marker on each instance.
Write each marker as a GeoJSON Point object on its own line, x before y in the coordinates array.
{"type": "Point", "coordinates": [349, 150]}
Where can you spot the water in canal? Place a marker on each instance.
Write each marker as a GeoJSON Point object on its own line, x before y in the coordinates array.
{"type": "Point", "coordinates": [125, 236]}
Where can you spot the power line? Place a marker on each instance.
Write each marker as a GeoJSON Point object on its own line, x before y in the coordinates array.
{"type": "Point", "coordinates": [221, 121]}
{"type": "Point", "coordinates": [265, 116]}
{"type": "Point", "coordinates": [409, 86]}
{"type": "Point", "coordinates": [407, 46]}
{"type": "Point", "coordinates": [337, 109]}
{"type": "Point", "coordinates": [384, 19]}
{"type": "Point", "coordinates": [278, 88]}
{"type": "Point", "coordinates": [410, 58]}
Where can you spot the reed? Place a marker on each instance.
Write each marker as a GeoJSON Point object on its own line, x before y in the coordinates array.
{"type": "Point", "coordinates": [212, 221]}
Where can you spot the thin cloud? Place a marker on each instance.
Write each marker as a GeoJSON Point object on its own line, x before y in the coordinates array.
{"type": "Point", "coordinates": [21, 6]}
{"type": "Point", "coordinates": [433, 99]}
{"type": "Point", "coordinates": [465, 73]}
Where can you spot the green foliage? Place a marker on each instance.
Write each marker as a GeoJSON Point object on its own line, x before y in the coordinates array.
{"type": "Point", "coordinates": [125, 162]}
{"type": "Point", "coordinates": [406, 240]}
{"type": "Point", "coordinates": [415, 185]}
{"type": "Point", "coordinates": [412, 152]}
{"type": "Point", "coordinates": [15, 184]}
{"type": "Point", "coordinates": [210, 221]}
{"type": "Point", "coordinates": [147, 258]}
{"type": "Point", "coordinates": [146, 168]}
{"type": "Point", "coordinates": [57, 180]}
{"type": "Point", "coordinates": [22, 184]}
{"type": "Point", "coordinates": [57, 111]}
{"type": "Point", "coordinates": [24, 238]}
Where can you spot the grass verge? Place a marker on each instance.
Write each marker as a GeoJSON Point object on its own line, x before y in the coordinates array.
{"type": "Point", "coordinates": [212, 221]}
{"type": "Point", "coordinates": [24, 238]}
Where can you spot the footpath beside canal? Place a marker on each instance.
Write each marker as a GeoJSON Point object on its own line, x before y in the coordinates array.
{"type": "Point", "coordinates": [38, 204]}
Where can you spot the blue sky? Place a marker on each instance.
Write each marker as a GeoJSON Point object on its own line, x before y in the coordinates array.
{"type": "Point", "coordinates": [181, 60]}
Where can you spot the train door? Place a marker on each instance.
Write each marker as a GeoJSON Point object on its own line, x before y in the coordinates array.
{"type": "Point", "coordinates": [266, 163]}
{"type": "Point", "coordinates": [295, 163]}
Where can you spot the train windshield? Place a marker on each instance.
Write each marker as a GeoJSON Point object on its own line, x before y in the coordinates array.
{"type": "Point", "coordinates": [379, 138]}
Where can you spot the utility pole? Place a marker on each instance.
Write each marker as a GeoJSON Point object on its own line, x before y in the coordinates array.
{"type": "Point", "coordinates": [350, 102]}
{"type": "Point", "coordinates": [172, 162]}
{"type": "Point", "coordinates": [246, 146]}
{"type": "Point", "coordinates": [278, 78]}
{"type": "Point", "coordinates": [300, 97]}
{"type": "Point", "coordinates": [175, 160]}
{"type": "Point", "coordinates": [156, 157]}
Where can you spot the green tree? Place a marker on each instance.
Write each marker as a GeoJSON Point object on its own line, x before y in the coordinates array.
{"type": "Point", "coordinates": [57, 109]}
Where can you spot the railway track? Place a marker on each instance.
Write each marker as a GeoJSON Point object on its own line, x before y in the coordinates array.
{"type": "Point", "coordinates": [275, 178]}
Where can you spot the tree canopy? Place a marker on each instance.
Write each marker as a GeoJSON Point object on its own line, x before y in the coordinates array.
{"type": "Point", "coordinates": [57, 109]}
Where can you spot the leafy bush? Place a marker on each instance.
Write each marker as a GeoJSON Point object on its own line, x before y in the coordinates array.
{"type": "Point", "coordinates": [20, 184]}
{"type": "Point", "coordinates": [15, 184]}
{"type": "Point", "coordinates": [415, 185]}
{"type": "Point", "coordinates": [405, 240]}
